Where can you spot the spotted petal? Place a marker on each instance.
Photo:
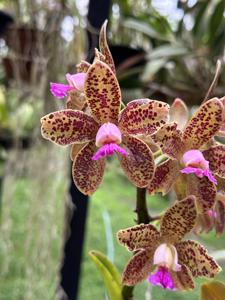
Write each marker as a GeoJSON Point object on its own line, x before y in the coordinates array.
{"type": "Point", "coordinates": [220, 214]}
{"type": "Point", "coordinates": [103, 45]}
{"type": "Point", "coordinates": [138, 268]}
{"type": "Point", "coordinates": [183, 279]}
{"type": "Point", "coordinates": [143, 116]}
{"type": "Point", "coordinates": [139, 164]}
{"type": "Point", "coordinates": [102, 93]}
{"type": "Point", "coordinates": [179, 113]}
{"type": "Point", "coordinates": [138, 237]}
{"type": "Point", "coordinates": [178, 220]}
{"type": "Point", "coordinates": [197, 259]}
{"type": "Point", "coordinates": [216, 157]}
{"type": "Point", "coordinates": [165, 176]}
{"type": "Point", "coordinates": [66, 127]}
{"type": "Point", "coordinates": [76, 100]}
{"type": "Point", "coordinates": [169, 139]}
{"type": "Point", "coordinates": [75, 149]}
{"type": "Point", "coordinates": [204, 124]}
{"type": "Point", "coordinates": [204, 191]}
{"type": "Point", "coordinates": [88, 173]}
{"type": "Point", "coordinates": [83, 66]}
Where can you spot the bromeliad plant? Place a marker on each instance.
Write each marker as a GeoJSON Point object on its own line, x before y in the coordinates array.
{"type": "Point", "coordinates": [159, 150]}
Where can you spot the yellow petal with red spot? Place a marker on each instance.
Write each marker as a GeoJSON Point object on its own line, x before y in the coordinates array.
{"type": "Point", "coordinates": [169, 139]}
{"type": "Point", "coordinates": [66, 127]}
{"type": "Point", "coordinates": [88, 173]}
{"type": "Point", "coordinates": [138, 268]}
{"type": "Point", "coordinates": [139, 237]}
{"type": "Point", "coordinates": [204, 124]}
{"type": "Point", "coordinates": [138, 164]}
{"type": "Point", "coordinates": [204, 191]}
{"type": "Point", "coordinates": [104, 48]}
{"type": "Point", "coordinates": [178, 220]}
{"type": "Point", "coordinates": [197, 259]}
{"type": "Point", "coordinates": [165, 176]}
{"type": "Point", "coordinates": [183, 280]}
{"type": "Point", "coordinates": [143, 116]}
{"type": "Point", "coordinates": [216, 157]}
{"type": "Point", "coordinates": [102, 93]}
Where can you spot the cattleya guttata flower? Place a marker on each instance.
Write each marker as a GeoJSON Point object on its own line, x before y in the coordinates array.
{"type": "Point", "coordinates": [190, 168]}
{"type": "Point", "coordinates": [215, 218]}
{"type": "Point", "coordinates": [161, 256]}
{"type": "Point", "coordinates": [106, 130]}
{"type": "Point", "coordinates": [75, 87]}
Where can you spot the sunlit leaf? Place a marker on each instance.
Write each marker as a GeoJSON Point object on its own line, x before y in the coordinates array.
{"type": "Point", "coordinates": [214, 290]}
{"type": "Point", "coordinates": [109, 273]}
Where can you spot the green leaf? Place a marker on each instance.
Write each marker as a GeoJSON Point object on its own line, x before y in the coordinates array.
{"type": "Point", "coordinates": [214, 290]}
{"type": "Point", "coordinates": [152, 68]}
{"type": "Point", "coordinates": [200, 17]}
{"type": "Point", "coordinates": [168, 51]}
{"type": "Point", "coordinates": [4, 118]}
{"type": "Point", "coordinates": [216, 19]}
{"type": "Point", "coordinates": [146, 29]}
{"type": "Point", "coordinates": [109, 273]}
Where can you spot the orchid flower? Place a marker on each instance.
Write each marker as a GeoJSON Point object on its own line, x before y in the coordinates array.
{"type": "Point", "coordinates": [161, 256]}
{"type": "Point", "coordinates": [191, 170]}
{"type": "Point", "coordinates": [214, 218]}
{"type": "Point", "coordinates": [75, 82]}
{"type": "Point", "coordinates": [106, 131]}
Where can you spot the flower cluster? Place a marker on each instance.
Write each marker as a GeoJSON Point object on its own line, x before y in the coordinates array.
{"type": "Point", "coordinates": [176, 261]}
{"type": "Point", "coordinates": [159, 149]}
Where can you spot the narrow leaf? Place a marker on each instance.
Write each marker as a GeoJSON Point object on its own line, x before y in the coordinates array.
{"type": "Point", "coordinates": [109, 273]}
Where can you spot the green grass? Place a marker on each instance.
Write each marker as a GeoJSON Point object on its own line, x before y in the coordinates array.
{"type": "Point", "coordinates": [32, 227]}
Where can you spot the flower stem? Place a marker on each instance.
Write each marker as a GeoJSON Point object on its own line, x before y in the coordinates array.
{"type": "Point", "coordinates": [141, 207]}
{"type": "Point", "coordinates": [142, 217]}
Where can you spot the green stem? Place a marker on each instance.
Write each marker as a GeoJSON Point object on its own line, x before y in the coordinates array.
{"type": "Point", "coordinates": [142, 217]}
{"type": "Point", "coordinates": [141, 207]}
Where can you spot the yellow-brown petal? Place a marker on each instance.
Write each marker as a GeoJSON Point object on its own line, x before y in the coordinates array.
{"type": "Point", "coordinates": [102, 93]}
{"type": "Point", "coordinates": [75, 149]}
{"type": "Point", "coordinates": [76, 100]}
{"type": "Point", "coordinates": [83, 66]}
{"type": "Point", "coordinates": [88, 173]}
{"type": "Point", "coordinates": [138, 268]}
{"type": "Point", "coordinates": [220, 214]}
{"type": "Point", "coordinates": [165, 176]}
{"type": "Point", "coordinates": [104, 48]}
{"type": "Point", "coordinates": [139, 237]}
{"type": "Point", "coordinates": [204, 191]}
{"type": "Point", "coordinates": [216, 157]}
{"type": "Point", "coordinates": [66, 127]}
{"type": "Point", "coordinates": [204, 124]}
{"type": "Point", "coordinates": [179, 113]}
{"type": "Point", "coordinates": [178, 220]}
{"type": "Point", "coordinates": [169, 139]}
{"type": "Point", "coordinates": [139, 164]}
{"type": "Point", "coordinates": [183, 279]}
{"type": "Point", "coordinates": [143, 116]}
{"type": "Point", "coordinates": [197, 259]}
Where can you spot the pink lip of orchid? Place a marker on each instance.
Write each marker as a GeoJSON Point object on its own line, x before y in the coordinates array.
{"type": "Point", "coordinates": [76, 81]}
{"type": "Point", "coordinates": [162, 278]}
{"type": "Point", "coordinates": [166, 258]}
{"type": "Point", "coordinates": [195, 163]}
{"type": "Point", "coordinates": [108, 137]}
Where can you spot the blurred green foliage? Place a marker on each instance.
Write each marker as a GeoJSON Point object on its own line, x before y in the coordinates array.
{"type": "Point", "coordinates": [181, 53]}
